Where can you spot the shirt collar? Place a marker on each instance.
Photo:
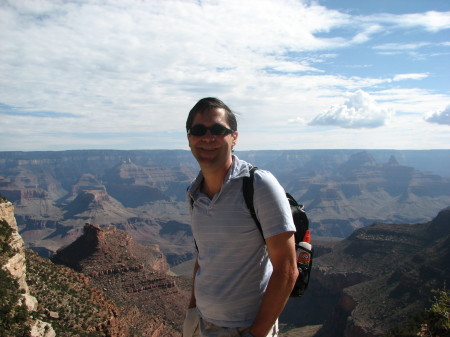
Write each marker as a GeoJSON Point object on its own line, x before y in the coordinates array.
{"type": "Point", "coordinates": [238, 169]}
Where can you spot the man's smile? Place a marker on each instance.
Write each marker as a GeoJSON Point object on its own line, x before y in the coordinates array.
{"type": "Point", "coordinates": [207, 149]}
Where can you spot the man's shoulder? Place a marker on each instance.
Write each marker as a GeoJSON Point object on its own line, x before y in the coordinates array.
{"type": "Point", "coordinates": [264, 177]}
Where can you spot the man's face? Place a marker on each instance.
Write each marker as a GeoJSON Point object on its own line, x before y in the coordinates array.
{"type": "Point", "coordinates": [212, 152]}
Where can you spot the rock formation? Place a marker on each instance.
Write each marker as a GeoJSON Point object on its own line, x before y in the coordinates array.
{"type": "Point", "coordinates": [42, 299]}
{"type": "Point", "coordinates": [56, 193]}
{"type": "Point", "coordinates": [15, 264]}
{"type": "Point", "coordinates": [373, 280]}
{"type": "Point", "coordinates": [136, 277]}
{"type": "Point", "coordinates": [71, 302]}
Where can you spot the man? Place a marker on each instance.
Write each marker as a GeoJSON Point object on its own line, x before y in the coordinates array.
{"type": "Point", "coordinates": [242, 281]}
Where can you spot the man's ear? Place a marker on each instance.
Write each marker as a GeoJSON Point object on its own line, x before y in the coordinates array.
{"type": "Point", "coordinates": [235, 137]}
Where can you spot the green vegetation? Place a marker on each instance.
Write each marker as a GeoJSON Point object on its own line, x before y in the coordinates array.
{"type": "Point", "coordinates": [6, 252]}
{"type": "Point", "coordinates": [14, 318]}
{"type": "Point", "coordinates": [434, 322]}
{"type": "Point", "coordinates": [66, 299]}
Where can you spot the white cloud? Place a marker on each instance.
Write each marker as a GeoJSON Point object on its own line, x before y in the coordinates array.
{"type": "Point", "coordinates": [359, 111]}
{"type": "Point", "coordinates": [367, 33]}
{"type": "Point", "coordinates": [108, 54]}
{"type": "Point", "coordinates": [413, 76]}
{"type": "Point", "coordinates": [297, 120]}
{"type": "Point", "coordinates": [110, 68]}
{"type": "Point", "coordinates": [431, 21]}
{"type": "Point", "coordinates": [439, 117]}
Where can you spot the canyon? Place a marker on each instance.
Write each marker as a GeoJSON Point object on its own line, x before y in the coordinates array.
{"type": "Point", "coordinates": [143, 192]}
{"type": "Point", "coordinates": [374, 279]}
{"type": "Point", "coordinates": [363, 285]}
{"type": "Point", "coordinates": [374, 216]}
{"type": "Point", "coordinates": [103, 284]}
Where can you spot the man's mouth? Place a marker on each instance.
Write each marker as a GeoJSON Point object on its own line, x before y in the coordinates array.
{"type": "Point", "coordinates": [209, 149]}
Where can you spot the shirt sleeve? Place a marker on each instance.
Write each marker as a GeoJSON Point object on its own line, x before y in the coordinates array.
{"type": "Point", "coordinates": [271, 205]}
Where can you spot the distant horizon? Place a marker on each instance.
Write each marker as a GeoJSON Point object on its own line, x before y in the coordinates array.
{"type": "Point", "coordinates": [436, 161]}
{"type": "Point", "coordinates": [247, 150]}
{"type": "Point", "coordinates": [236, 151]}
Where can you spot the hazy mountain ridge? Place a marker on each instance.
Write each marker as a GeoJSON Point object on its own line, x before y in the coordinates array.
{"type": "Point", "coordinates": [362, 191]}
{"type": "Point", "coordinates": [103, 187]}
{"type": "Point", "coordinates": [341, 196]}
{"type": "Point", "coordinates": [55, 193]}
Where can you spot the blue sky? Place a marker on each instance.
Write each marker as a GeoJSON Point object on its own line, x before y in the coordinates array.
{"type": "Point", "coordinates": [330, 74]}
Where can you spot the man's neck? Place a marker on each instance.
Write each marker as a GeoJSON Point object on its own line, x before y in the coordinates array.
{"type": "Point", "coordinates": [213, 179]}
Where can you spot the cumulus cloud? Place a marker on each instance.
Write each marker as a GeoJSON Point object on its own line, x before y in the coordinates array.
{"type": "Point", "coordinates": [95, 67]}
{"type": "Point", "coordinates": [440, 117]}
{"type": "Point", "coordinates": [103, 56]}
{"type": "Point", "coordinates": [360, 110]}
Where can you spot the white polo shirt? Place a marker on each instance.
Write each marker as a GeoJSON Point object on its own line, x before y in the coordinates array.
{"type": "Point", "coordinates": [234, 264]}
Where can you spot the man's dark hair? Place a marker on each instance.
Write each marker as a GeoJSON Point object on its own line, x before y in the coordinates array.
{"type": "Point", "coordinates": [209, 103]}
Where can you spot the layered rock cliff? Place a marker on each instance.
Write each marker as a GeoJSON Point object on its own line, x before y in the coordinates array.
{"type": "Point", "coordinates": [373, 280]}
{"type": "Point", "coordinates": [55, 193]}
{"type": "Point", "coordinates": [135, 276]}
{"type": "Point", "coordinates": [13, 261]}
{"type": "Point", "coordinates": [41, 299]}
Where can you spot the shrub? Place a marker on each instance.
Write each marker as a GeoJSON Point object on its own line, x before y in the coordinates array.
{"type": "Point", "coordinates": [14, 317]}
{"type": "Point", "coordinates": [434, 322]}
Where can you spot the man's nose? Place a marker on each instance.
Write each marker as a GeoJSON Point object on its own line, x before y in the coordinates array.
{"type": "Point", "coordinates": [208, 136]}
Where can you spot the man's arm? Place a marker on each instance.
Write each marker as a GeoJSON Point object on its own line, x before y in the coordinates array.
{"type": "Point", "coordinates": [192, 302]}
{"type": "Point", "coordinates": [281, 249]}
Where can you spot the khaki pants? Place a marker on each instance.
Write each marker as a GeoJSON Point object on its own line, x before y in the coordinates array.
{"type": "Point", "coordinates": [195, 326]}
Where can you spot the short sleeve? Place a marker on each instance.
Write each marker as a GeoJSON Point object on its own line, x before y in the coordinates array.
{"type": "Point", "coordinates": [271, 205]}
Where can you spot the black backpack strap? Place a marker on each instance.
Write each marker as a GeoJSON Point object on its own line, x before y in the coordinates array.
{"type": "Point", "coordinates": [248, 190]}
{"type": "Point", "coordinates": [191, 202]}
{"type": "Point", "coordinates": [300, 219]}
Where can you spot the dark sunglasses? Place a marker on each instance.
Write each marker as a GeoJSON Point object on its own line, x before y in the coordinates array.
{"type": "Point", "coordinates": [216, 130]}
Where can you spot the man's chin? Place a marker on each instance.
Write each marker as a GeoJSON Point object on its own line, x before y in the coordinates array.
{"type": "Point", "coordinates": [207, 154]}
{"type": "Point", "coordinates": [206, 159]}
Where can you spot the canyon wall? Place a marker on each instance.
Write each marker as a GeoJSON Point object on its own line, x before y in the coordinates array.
{"type": "Point", "coordinates": [15, 264]}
